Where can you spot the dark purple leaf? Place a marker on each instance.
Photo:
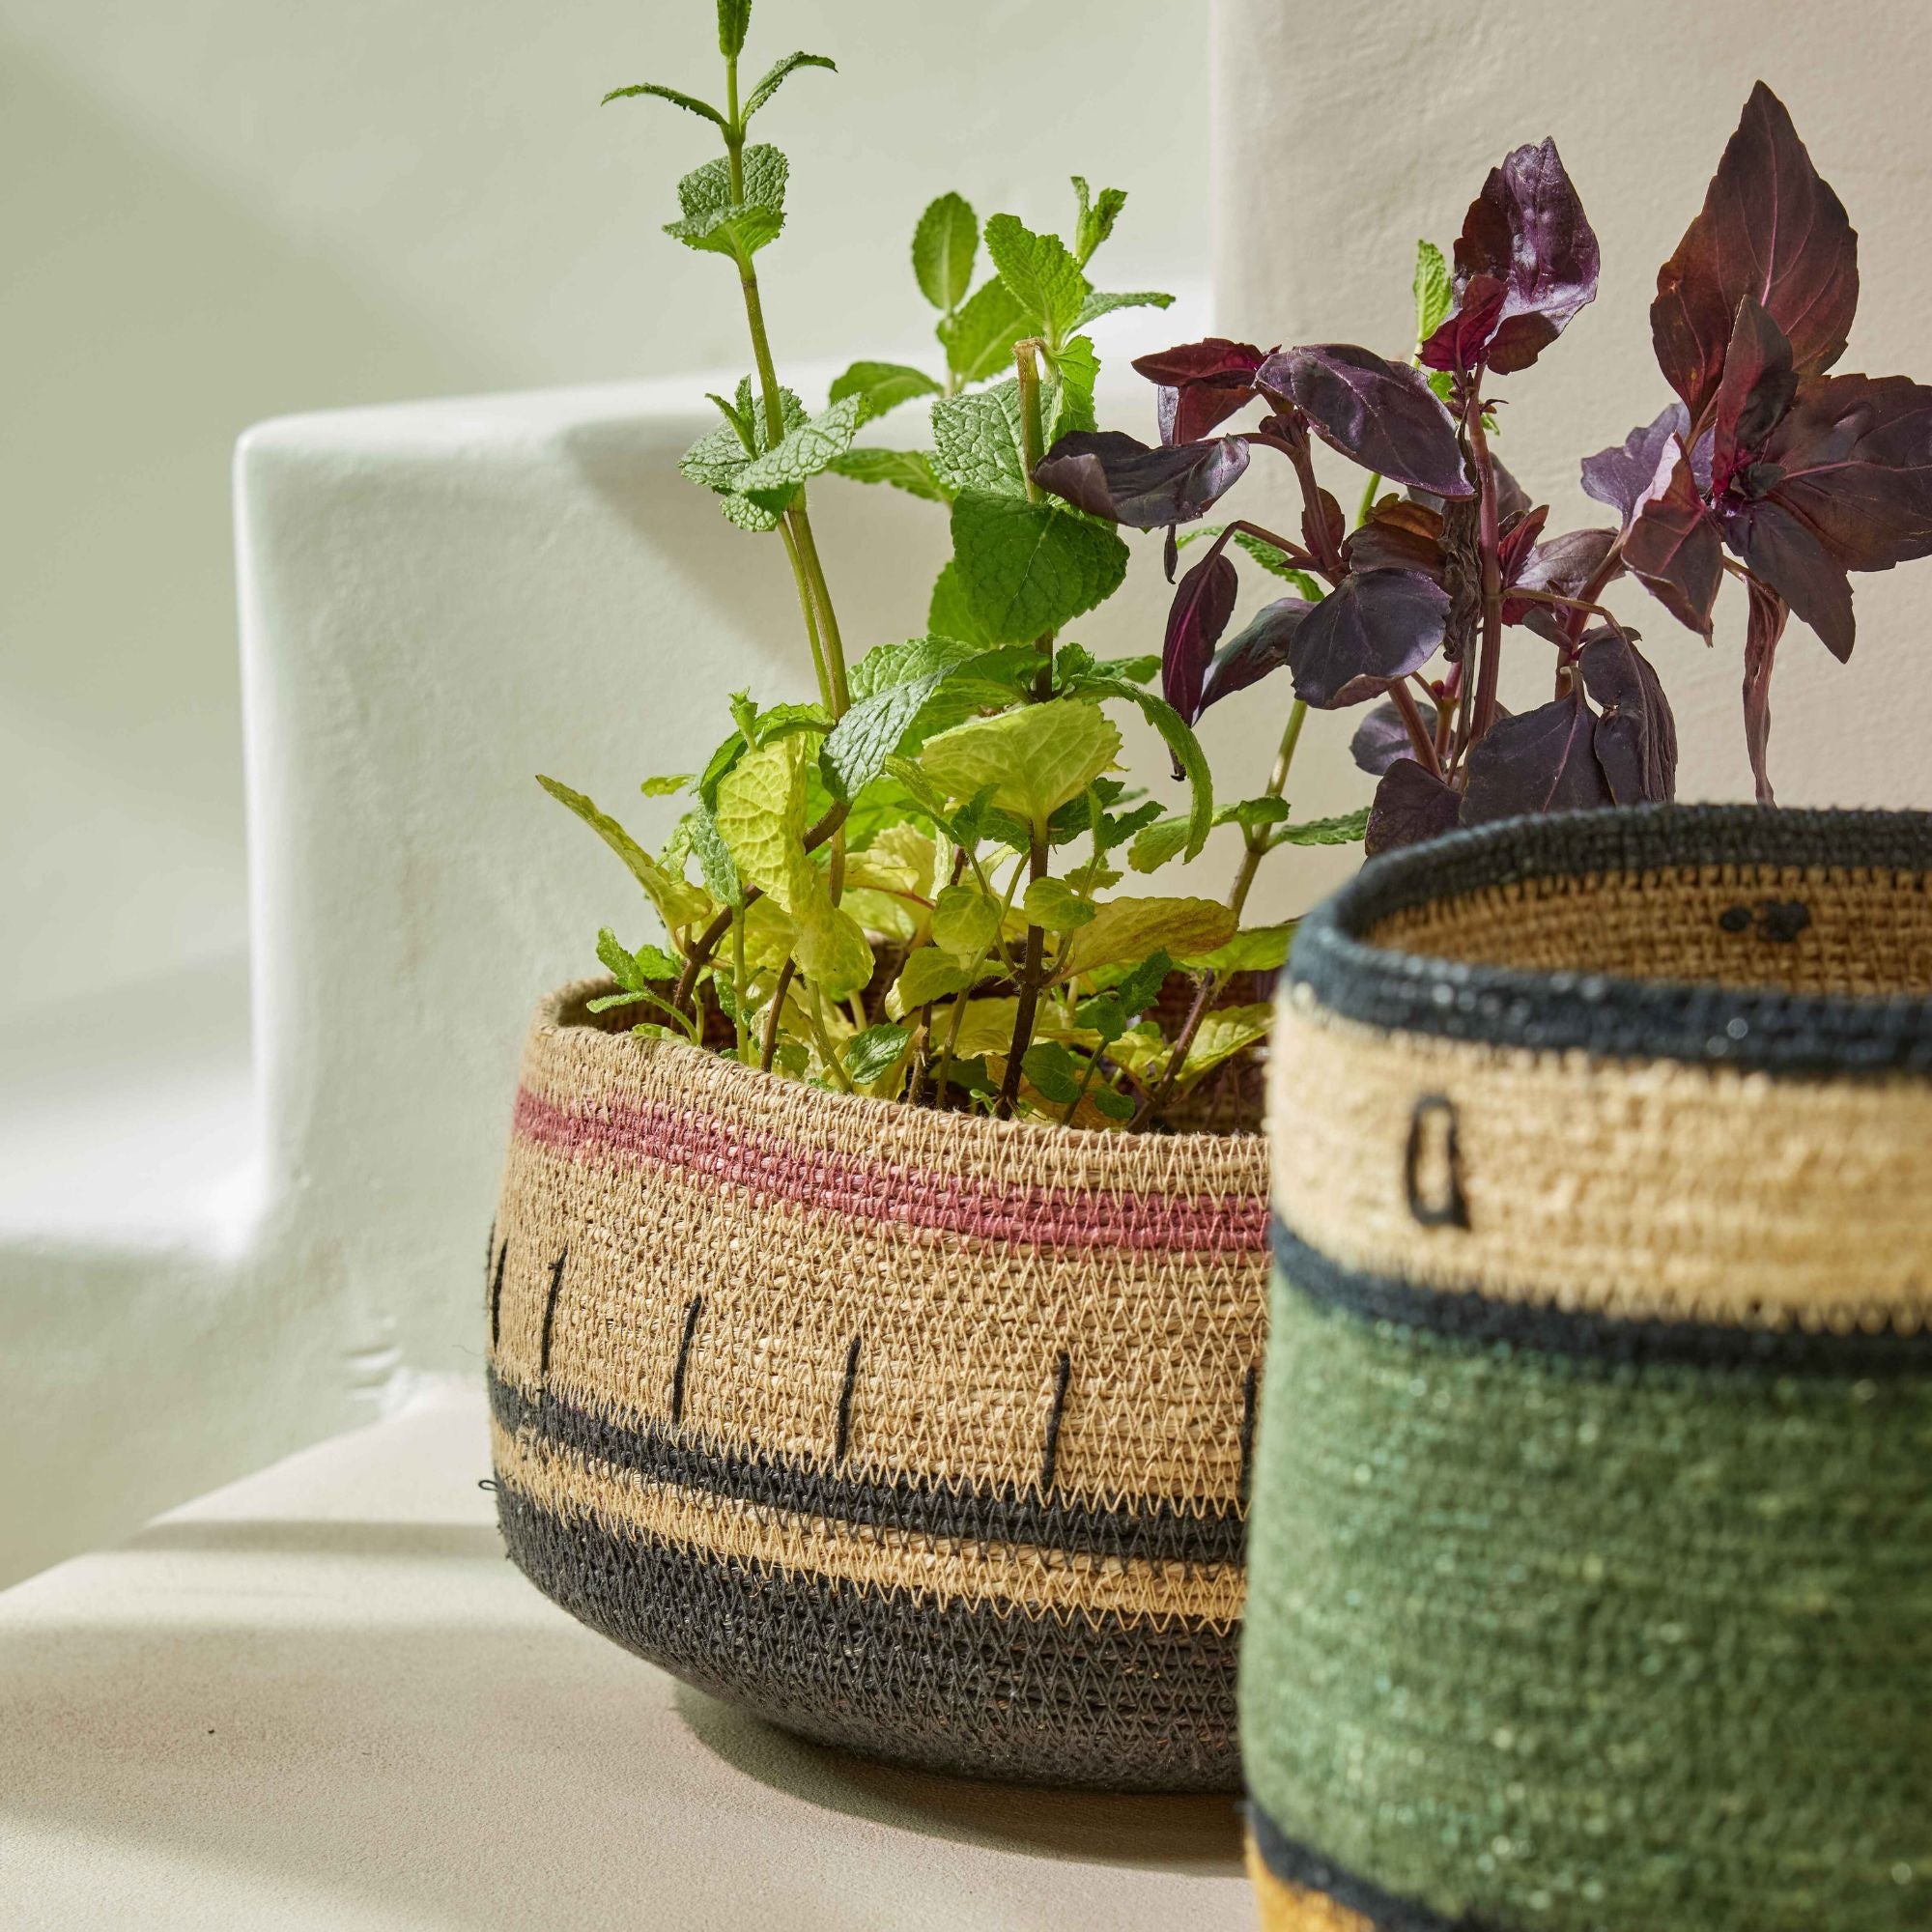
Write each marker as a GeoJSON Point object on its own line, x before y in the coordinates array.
{"type": "Point", "coordinates": [1517, 539]}
{"type": "Point", "coordinates": [1770, 228]}
{"type": "Point", "coordinates": [1327, 535]}
{"type": "Point", "coordinates": [1525, 234]}
{"type": "Point", "coordinates": [1204, 601]}
{"type": "Point", "coordinates": [1378, 625]}
{"type": "Point", "coordinates": [1256, 650]}
{"type": "Point", "coordinates": [1566, 566]}
{"type": "Point", "coordinates": [1781, 547]}
{"type": "Point", "coordinates": [1215, 361]}
{"type": "Point", "coordinates": [1621, 477]}
{"type": "Point", "coordinates": [1398, 536]}
{"type": "Point", "coordinates": [1460, 344]}
{"type": "Point", "coordinates": [1541, 760]}
{"type": "Point", "coordinates": [1853, 461]}
{"type": "Point", "coordinates": [1377, 413]}
{"type": "Point", "coordinates": [1635, 738]}
{"type": "Point", "coordinates": [1756, 391]}
{"type": "Point", "coordinates": [1111, 475]}
{"type": "Point", "coordinates": [1672, 546]}
{"type": "Point", "coordinates": [1380, 739]}
{"type": "Point", "coordinates": [1411, 804]}
{"type": "Point", "coordinates": [1202, 384]}
{"type": "Point", "coordinates": [1766, 625]}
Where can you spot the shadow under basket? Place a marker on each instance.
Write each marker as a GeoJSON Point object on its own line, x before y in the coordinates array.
{"type": "Point", "coordinates": [1591, 1563]}
{"type": "Point", "coordinates": [921, 1434]}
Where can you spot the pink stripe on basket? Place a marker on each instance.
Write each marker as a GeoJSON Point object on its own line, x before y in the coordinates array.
{"type": "Point", "coordinates": [692, 1143]}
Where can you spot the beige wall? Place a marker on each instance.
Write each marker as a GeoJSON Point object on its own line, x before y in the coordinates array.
{"type": "Point", "coordinates": [1341, 147]}
{"type": "Point", "coordinates": [218, 211]}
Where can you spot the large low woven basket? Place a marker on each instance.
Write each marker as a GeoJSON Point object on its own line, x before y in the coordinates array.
{"type": "Point", "coordinates": [1591, 1567]}
{"type": "Point", "coordinates": [919, 1433]}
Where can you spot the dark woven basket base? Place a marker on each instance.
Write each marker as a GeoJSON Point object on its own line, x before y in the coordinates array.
{"type": "Point", "coordinates": [1094, 1704]}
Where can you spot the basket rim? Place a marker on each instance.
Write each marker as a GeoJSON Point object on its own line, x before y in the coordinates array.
{"type": "Point", "coordinates": [559, 1012]}
{"type": "Point", "coordinates": [1335, 967]}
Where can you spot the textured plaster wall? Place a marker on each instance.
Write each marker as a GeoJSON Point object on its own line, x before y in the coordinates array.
{"type": "Point", "coordinates": [1337, 149]}
{"type": "Point", "coordinates": [218, 211]}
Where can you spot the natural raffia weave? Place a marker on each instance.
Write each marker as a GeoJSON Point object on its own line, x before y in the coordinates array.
{"type": "Point", "coordinates": [1591, 1565]}
{"type": "Point", "coordinates": [925, 1434]}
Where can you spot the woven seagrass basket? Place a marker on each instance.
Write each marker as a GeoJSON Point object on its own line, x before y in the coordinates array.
{"type": "Point", "coordinates": [1591, 1566]}
{"type": "Point", "coordinates": [921, 1434]}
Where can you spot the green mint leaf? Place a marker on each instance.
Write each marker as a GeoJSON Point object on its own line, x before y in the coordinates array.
{"type": "Point", "coordinates": [1028, 568]}
{"type": "Point", "coordinates": [977, 440]}
{"type": "Point", "coordinates": [871, 732]}
{"type": "Point", "coordinates": [873, 1054]}
{"type": "Point", "coordinates": [713, 220]}
{"type": "Point", "coordinates": [1343, 831]}
{"type": "Point", "coordinates": [965, 922]}
{"type": "Point", "coordinates": [1130, 929]}
{"type": "Point", "coordinates": [1053, 905]}
{"type": "Point", "coordinates": [1223, 1033]}
{"type": "Point", "coordinates": [929, 974]}
{"type": "Point", "coordinates": [885, 666]}
{"type": "Point", "coordinates": [678, 903]}
{"type": "Point", "coordinates": [1190, 762]}
{"type": "Point", "coordinates": [1155, 844]}
{"type": "Point", "coordinates": [1252, 815]}
{"type": "Point", "coordinates": [734, 22]}
{"type": "Point", "coordinates": [1033, 759]}
{"type": "Point", "coordinates": [944, 245]}
{"type": "Point", "coordinates": [770, 479]}
{"type": "Point", "coordinates": [687, 101]}
{"type": "Point", "coordinates": [1053, 1071]}
{"type": "Point", "coordinates": [1141, 987]}
{"type": "Point", "coordinates": [1102, 303]}
{"type": "Point", "coordinates": [664, 786]}
{"type": "Point", "coordinates": [714, 860]}
{"type": "Point", "coordinates": [1095, 220]}
{"type": "Point", "coordinates": [1260, 948]}
{"type": "Point", "coordinates": [774, 79]}
{"type": "Point", "coordinates": [949, 613]}
{"type": "Point", "coordinates": [882, 385]}
{"type": "Point", "coordinates": [1136, 671]}
{"type": "Point", "coordinates": [1116, 1106]}
{"type": "Point", "coordinates": [978, 339]}
{"type": "Point", "coordinates": [907, 470]}
{"type": "Point", "coordinates": [635, 972]}
{"type": "Point", "coordinates": [1075, 369]}
{"type": "Point", "coordinates": [1275, 562]}
{"type": "Point", "coordinates": [1434, 293]}
{"type": "Point", "coordinates": [1044, 279]}
{"type": "Point", "coordinates": [1443, 384]}
{"type": "Point", "coordinates": [719, 461]}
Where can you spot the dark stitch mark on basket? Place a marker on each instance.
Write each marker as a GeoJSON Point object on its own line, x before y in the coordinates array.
{"type": "Point", "coordinates": [1783, 920]}
{"type": "Point", "coordinates": [488, 1262]}
{"type": "Point", "coordinates": [1248, 1382]}
{"type": "Point", "coordinates": [845, 1400]}
{"type": "Point", "coordinates": [1735, 918]}
{"type": "Point", "coordinates": [1453, 1210]}
{"type": "Point", "coordinates": [1061, 1376]}
{"type": "Point", "coordinates": [692, 1312]}
{"type": "Point", "coordinates": [496, 1297]}
{"type": "Point", "coordinates": [550, 1315]}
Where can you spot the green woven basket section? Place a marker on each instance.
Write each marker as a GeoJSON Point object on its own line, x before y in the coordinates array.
{"type": "Point", "coordinates": [1553, 1641]}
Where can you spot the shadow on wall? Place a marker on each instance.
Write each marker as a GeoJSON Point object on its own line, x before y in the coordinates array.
{"type": "Point", "coordinates": [156, 319]}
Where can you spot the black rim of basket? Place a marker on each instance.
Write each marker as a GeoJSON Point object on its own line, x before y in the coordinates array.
{"type": "Point", "coordinates": [1602, 1013]}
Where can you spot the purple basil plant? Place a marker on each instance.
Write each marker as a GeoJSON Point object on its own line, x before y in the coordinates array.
{"type": "Point", "coordinates": [1766, 468]}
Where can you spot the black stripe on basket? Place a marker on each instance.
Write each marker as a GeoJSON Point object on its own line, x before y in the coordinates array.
{"type": "Point", "coordinates": [1295, 1864]}
{"type": "Point", "coordinates": [1156, 1531]}
{"type": "Point", "coordinates": [958, 1687]}
{"type": "Point", "coordinates": [1618, 1018]}
{"type": "Point", "coordinates": [1466, 1314]}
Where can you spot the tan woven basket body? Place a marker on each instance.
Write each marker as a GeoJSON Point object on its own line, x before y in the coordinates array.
{"type": "Point", "coordinates": [918, 1434]}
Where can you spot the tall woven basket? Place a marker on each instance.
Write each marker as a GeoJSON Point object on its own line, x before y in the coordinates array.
{"type": "Point", "coordinates": [1591, 1567]}
{"type": "Point", "coordinates": [919, 1433]}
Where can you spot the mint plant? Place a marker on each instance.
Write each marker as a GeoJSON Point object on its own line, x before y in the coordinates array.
{"type": "Point", "coordinates": [1799, 475]}
{"type": "Point", "coordinates": [906, 888]}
